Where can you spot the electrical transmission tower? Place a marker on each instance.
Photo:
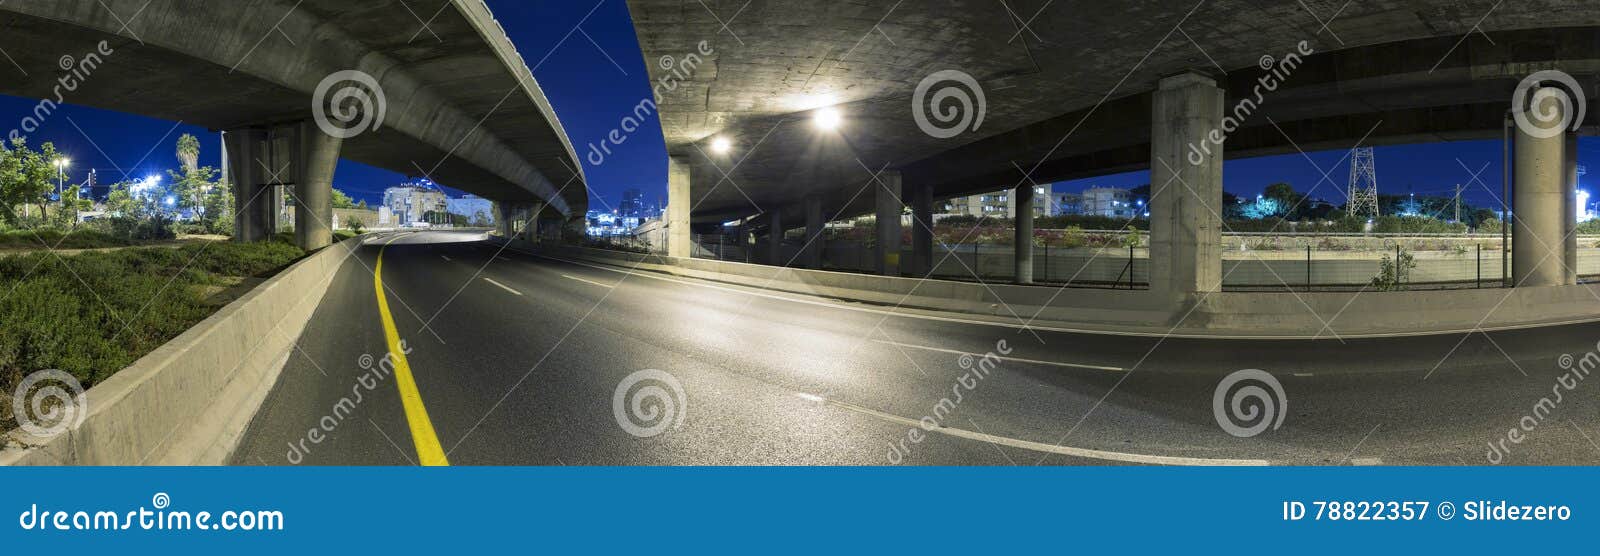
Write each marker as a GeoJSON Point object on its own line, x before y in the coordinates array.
{"type": "Point", "coordinates": [1458, 202]}
{"type": "Point", "coordinates": [1363, 192]}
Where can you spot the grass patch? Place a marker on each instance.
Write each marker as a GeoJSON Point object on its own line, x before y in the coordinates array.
{"type": "Point", "coordinates": [94, 313]}
{"type": "Point", "coordinates": [60, 239]}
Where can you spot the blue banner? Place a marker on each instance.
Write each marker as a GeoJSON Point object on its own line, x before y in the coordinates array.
{"type": "Point", "coordinates": [798, 510]}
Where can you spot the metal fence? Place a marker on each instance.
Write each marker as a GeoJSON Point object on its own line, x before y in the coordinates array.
{"type": "Point", "coordinates": [1459, 264]}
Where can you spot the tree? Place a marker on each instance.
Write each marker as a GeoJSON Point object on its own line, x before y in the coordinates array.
{"type": "Point", "coordinates": [26, 177]}
{"type": "Point", "coordinates": [189, 152]}
{"type": "Point", "coordinates": [341, 200]}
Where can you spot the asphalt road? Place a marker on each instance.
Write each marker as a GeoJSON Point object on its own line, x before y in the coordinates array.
{"type": "Point", "coordinates": [517, 360]}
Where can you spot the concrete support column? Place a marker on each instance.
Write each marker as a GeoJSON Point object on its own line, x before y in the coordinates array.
{"type": "Point", "coordinates": [1022, 202]}
{"type": "Point", "coordinates": [922, 230]}
{"type": "Point", "coordinates": [775, 238]}
{"type": "Point", "coordinates": [679, 242]}
{"type": "Point", "coordinates": [533, 215]}
{"type": "Point", "coordinates": [251, 202]}
{"type": "Point", "coordinates": [1541, 202]}
{"type": "Point", "coordinates": [1569, 232]}
{"type": "Point", "coordinates": [811, 256]}
{"type": "Point", "coordinates": [888, 207]}
{"type": "Point", "coordinates": [318, 155]}
{"type": "Point", "coordinates": [1540, 206]}
{"type": "Point", "coordinates": [502, 219]}
{"type": "Point", "coordinates": [1186, 186]}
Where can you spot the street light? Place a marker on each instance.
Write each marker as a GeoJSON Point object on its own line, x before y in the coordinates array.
{"type": "Point", "coordinates": [61, 175]}
{"type": "Point", "coordinates": [721, 145]}
{"type": "Point", "coordinates": [827, 118]}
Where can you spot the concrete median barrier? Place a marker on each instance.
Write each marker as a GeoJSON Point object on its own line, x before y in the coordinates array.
{"type": "Point", "coordinates": [189, 401]}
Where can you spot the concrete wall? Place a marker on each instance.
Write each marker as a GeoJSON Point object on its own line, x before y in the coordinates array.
{"type": "Point", "coordinates": [189, 401]}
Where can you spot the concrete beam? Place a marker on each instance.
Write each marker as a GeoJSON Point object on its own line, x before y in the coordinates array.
{"type": "Point", "coordinates": [679, 239]}
{"type": "Point", "coordinates": [889, 207]}
{"type": "Point", "coordinates": [1540, 192]}
{"type": "Point", "coordinates": [1186, 186]}
{"type": "Point", "coordinates": [1023, 245]}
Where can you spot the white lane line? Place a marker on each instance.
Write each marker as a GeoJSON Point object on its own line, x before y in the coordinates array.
{"type": "Point", "coordinates": [1366, 461]}
{"type": "Point", "coordinates": [446, 259]}
{"type": "Point", "coordinates": [1039, 446]}
{"type": "Point", "coordinates": [502, 286]}
{"type": "Point", "coordinates": [592, 282]}
{"type": "Point", "coordinates": [1004, 358]}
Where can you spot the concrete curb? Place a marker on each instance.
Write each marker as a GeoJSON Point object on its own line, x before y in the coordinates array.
{"type": "Point", "coordinates": [189, 401]}
{"type": "Point", "coordinates": [1329, 316]}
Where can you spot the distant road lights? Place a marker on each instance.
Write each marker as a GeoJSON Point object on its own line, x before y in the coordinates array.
{"type": "Point", "coordinates": [721, 145]}
{"type": "Point", "coordinates": [827, 118]}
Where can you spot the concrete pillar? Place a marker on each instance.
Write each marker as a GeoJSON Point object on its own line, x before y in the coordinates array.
{"type": "Point", "coordinates": [502, 218]}
{"type": "Point", "coordinates": [811, 256]}
{"type": "Point", "coordinates": [1569, 196]}
{"type": "Point", "coordinates": [1186, 186]}
{"type": "Point", "coordinates": [922, 230]}
{"type": "Point", "coordinates": [1022, 203]}
{"type": "Point", "coordinates": [775, 238]}
{"type": "Point", "coordinates": [251, 199]}
{"type": "Point", "coordinates": [1540, 202]}
{"type": "Point", "coordinates": [678, 204]}
{"type": "Point", "coordinates": [888, 207]}
{"type": "Point", "coordinates": [313, 212]}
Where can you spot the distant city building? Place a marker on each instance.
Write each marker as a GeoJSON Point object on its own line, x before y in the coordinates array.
{"type": "Point", "coordinates": [410, 201]}
{"type": "Point", "coordinates": [998, 204]}
{"type": "Point", "coordinates": [478, 210]}
{"type": "Point", "coordinates": [632, 205]}
{"type": "Point", "coordinates": [1110, 202]}
{"type": "Point", "coordinates": [1066, 204]}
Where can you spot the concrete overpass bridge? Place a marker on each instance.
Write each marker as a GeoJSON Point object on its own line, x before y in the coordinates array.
{"type": "Point", "coordinates": [1073, 92]}
{"type": "Point", "coordinates": [434, 88]}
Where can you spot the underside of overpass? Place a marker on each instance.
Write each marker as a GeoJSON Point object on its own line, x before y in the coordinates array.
{"type": "Point", "coordinates": [458, 104]}
{"type": "Point", "coordinates": [1069, 91]}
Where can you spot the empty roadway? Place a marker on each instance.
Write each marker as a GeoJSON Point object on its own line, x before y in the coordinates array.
{"type": "Point", "coordinates": [517, 358]}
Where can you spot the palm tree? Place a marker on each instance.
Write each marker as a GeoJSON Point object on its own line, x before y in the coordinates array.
{"type": "Point", "coordinates": [189, 152]}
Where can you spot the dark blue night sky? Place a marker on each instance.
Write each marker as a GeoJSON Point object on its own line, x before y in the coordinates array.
{"type": "Point", "coordinates": [594, 74]}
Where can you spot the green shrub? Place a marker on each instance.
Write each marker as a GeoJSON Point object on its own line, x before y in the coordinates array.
{"type": "Point", "coordinates": [94, 313]}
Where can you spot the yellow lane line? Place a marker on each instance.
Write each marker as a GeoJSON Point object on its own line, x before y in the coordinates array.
{"type": "Point", "coordinates": [429, 451]}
